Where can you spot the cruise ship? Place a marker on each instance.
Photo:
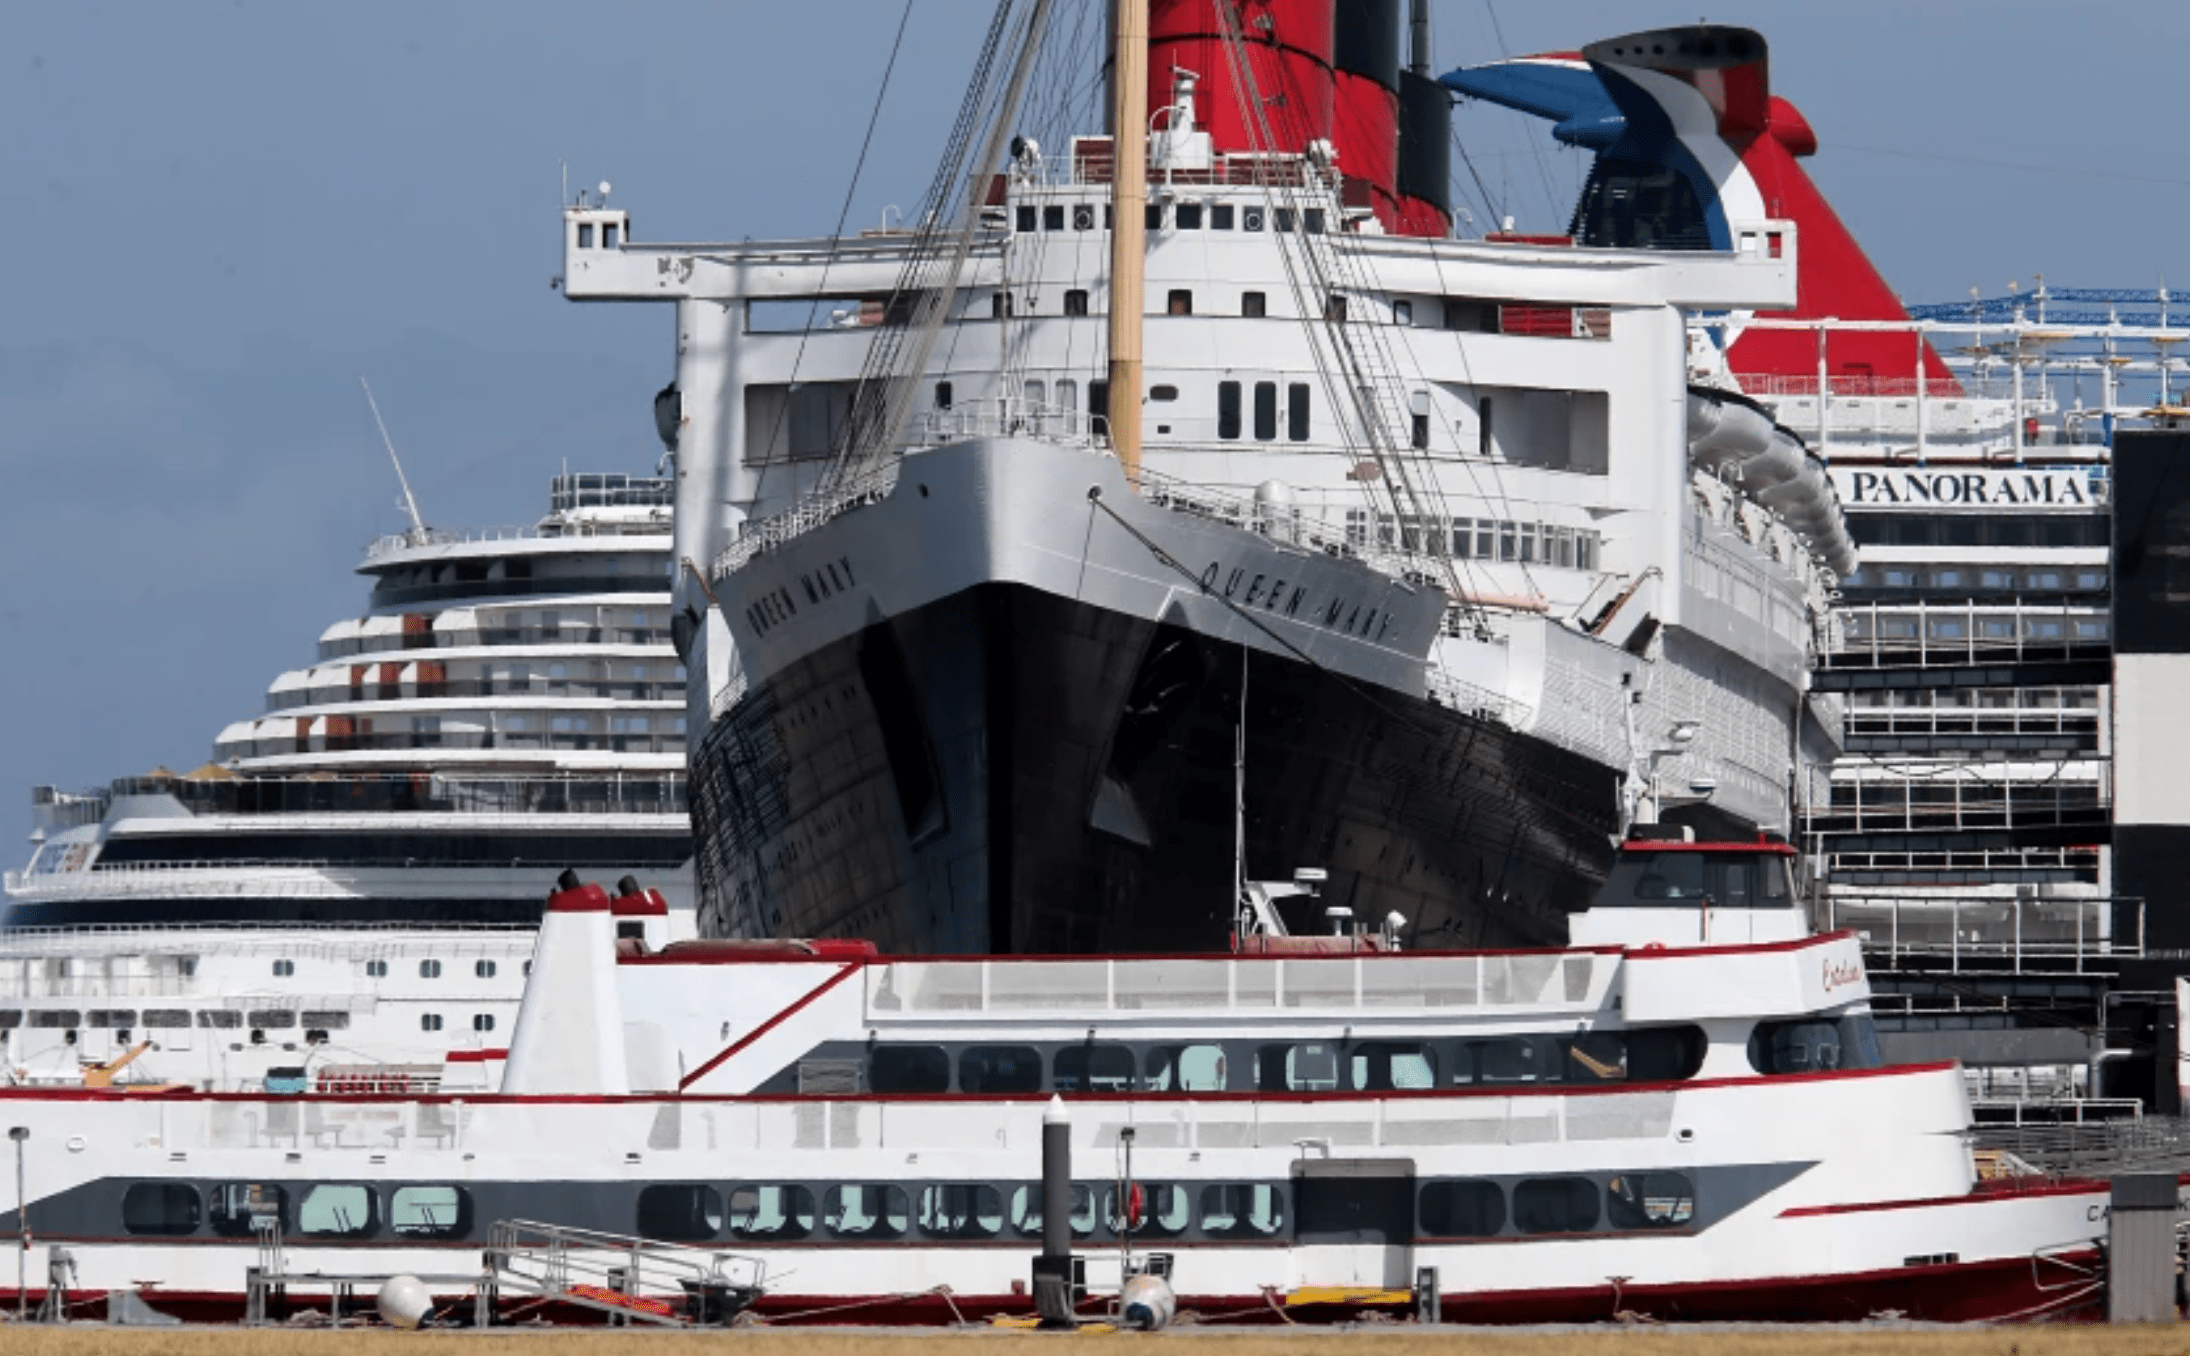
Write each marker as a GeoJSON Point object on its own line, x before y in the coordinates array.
{"type": "Point", "coordinates": [1406, 559]}
{"type": "Point", "coordinates": [356, 874]}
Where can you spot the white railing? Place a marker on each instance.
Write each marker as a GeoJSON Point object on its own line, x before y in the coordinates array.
{"type": "Point", "coordinates": [871, 486]}
{"type": "Point", "coordinates": [1982, 932]}
{"type": "Point", "coordinates": [1456, 694]}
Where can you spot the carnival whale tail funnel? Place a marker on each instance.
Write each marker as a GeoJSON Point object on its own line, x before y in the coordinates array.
{"type": "Point", "coordinates": [569, 1037]}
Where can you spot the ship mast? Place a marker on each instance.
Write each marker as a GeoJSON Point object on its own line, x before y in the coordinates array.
{"type": "Point", "coordinates": [1129, 200]}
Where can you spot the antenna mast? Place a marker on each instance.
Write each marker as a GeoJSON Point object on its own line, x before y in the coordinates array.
{"type": "Point", "coordinates": [410, 501]}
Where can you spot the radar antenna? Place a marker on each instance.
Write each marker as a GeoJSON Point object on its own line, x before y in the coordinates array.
{"type": "Point", "coordinates": [410, 501]}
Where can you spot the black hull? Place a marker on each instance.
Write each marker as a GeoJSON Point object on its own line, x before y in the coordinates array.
{"type": "Point", "coordinates": [1010, 771]}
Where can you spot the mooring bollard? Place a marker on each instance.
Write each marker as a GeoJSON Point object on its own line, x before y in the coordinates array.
{"type": "Point", "coordinates": [2140, 1249]}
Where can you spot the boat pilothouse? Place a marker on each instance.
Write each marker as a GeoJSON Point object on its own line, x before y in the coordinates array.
{"type": "Point", "coordinates": [975, 650]}
{"type": "Point", "coordinates": [353, 878]}
{"type": "Point", "coordinates": [862, 1134]}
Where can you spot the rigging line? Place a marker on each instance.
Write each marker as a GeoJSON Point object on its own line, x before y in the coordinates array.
{"type": "Point", "coordinates": [836, 238]}
{"type": "Point", "coordinates": [1492, 214]}
{"type": "Point", "coordinates": [1543, 172]}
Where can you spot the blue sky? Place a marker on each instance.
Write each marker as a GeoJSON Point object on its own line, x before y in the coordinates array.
{"type": "Point", "coordinates": [220, 214]}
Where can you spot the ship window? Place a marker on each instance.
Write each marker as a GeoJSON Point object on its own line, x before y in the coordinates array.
{"type": "Point", "coordinates": [1000, 1068]}
{"type": "Point", "coordinates": [429, 969]}
{"type": "Point", "coordinates": [1053, 217]}
{"type": "Point", "coordinates": [1254, 305]}
{"type": "Point", "coordinates": [608, 235]}
{"type": "Point", "coordinates": [1228, 407]}
{"type": "Point", "coordinates": [430, 1021]}
{"type": "Point", "coordinates": [273, 1019]}
{"type": "Point", "coordinates": [235, 1207]}
{"type": "Point", "coordinates": [52, 1018]}
{"type": "Point", "coordinates": [1098, 408]}
{"type": "Point", "coordinates": [1250, 219]}
{"type": "Point", "coordinates": [1000, 306]}
{"type": "Point", "coordinates": [1075, 301]}
{"type": "Point", "coordinates": [1296, 412]}
{"type": "Point", "coordinates": [220, 1019]}
{"type": "Point", "coordinates": [1649, 1200]}
{"type": "Point", "coordinates": [377, 969]}
{"type": "Point", "coordinates": [909, 1068]}
{"type": "Point", "coordinates": [1265, 411]}
{"type": "Point", "coordinates": [284, 968]}
{"type": "Point", "coordinates": [961, 1210]}
{"type": "Point", "coordinates": [336, 1210]}
{"type": "Point", "coordinates": [1025, 217]}
{"type": "Point", "coordinates": [874, 1212]}
{"type": "Point", "coordinates": [158, 1019]}
{"type": "Point", "coordinates": [1308, 1067]}
{"type": "Point", "coordinates": [1402, 313]}
{"type": "Point", "coordinates": [1083, 216]}
{"type": "Point", "coordinates": [429, 1212]}
{"type": "Point", "coordinates": [1180, 302]}
{"type": "Point", "coordinates": [13, 1018]}
{"type": "Point", "coordinates": [1152, 216]}
{"type": "Point", "coordinates": [1026, 1210]}
{"type": "Point", "coordinates": [168, 1208]}
{"type": "Point", "coordinates": [1650, 879]}
{"type": "Point", "coordinates": [681, 1212]}
{"type": "Point", "coordinates": [1593, 1057]}
{"type": "Point", "coordinates": [1186, 1068]}
{"type": "Point", "coordinates": [484, 969]}
{"type": "Point", "coordinates": [585, 235]}
{"type": "Point", "coordinates": [1311, 220]}
{"type": "Point", "coordinates": [1285, 218]}
{"type": "Point", "coordinates": [1383, 1066]}
{"type": "Point", "coordinates": [1188, 216]}
{"type": "Point", "coordinates": [1093, 1068]}
{"type": "Point", "coordinates": [771, 1213]}
{"type": "Point", "coordinates": [1165, 1211]}
{"type": "Point", "coordinates": [1220, 217]}
{"type": "Point", "coordinates": [1163, 393]}
{"type": "Point", "coordinates": [1334, 308]}
{"type": "Point", "coordinates": [1507, 1059]}
{"type": "Point", "coordinates": [111, 1017]}
{"type": "Point", "coordinates": [482, 1021]}
{"type": "Point", "coordinates": [1809, 1045]}
{"type": "Point", "coordinates": [1240, 1210]}
{"type": "Point", "coordinates": [1464, 1208]}
{"type": "Point", "coordinates": [1555, 1205]}
{"type": "Point", "coordinates": [943, 395]}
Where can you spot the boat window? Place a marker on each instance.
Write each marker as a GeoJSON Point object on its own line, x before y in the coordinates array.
{"type": "Point", "coordinates": [1265, 411]}
{"type": "Point", "coordinates": [330, 1020]}
{"type": "Point", "coordinates": [430, 1021]}
{"type": "Point", "coordinates": [1093, 1068]}
{"type": "Point", "coordinates": [376, 969]}
{"type": "Point", "coordinates": [114, 1017]}
{"type": "Point", "coordinates": [1593, 1057]}
{"type": "Point", "coordinates": [608, 235]}
{"type": "Point", "coordinates": [13, 1018]}
{"type": "Point", "coordinates": [1083, 216]}
{"type": "Point", "coordinates": [336, 1210]}
{"type": "Point", "coordinates": [943, 388]}
{"type": "Point", "coordinates": [866, 1211]}
{"type": "Point", "coordinates": [1807, 1045]}
{"type": "Point", "coordinates": [284, 968]}
{"type": "Point", "coordinates": [961, 1210]}
{"type": "Point", "coordinates": [56, 1017]}
{"type": "Point", "coordinates": [1649, 1200]}
{"type": "Point", "coordinates": [429, 1212]}
{"type": "Point", "coordinates": [585, 235]}
{"type": "Point", "coordinates": [1053, 217]}
{"type": "Point", "coordinates": [1664, 1054]}
{"type": "Point", "coordinates": [1186, 1068]}
{"type": "Point", "coordinates": [160, 1208]}
{"type": "Point", "coordinates": [1307, 1067]}
{"type": "Point", "coordinates": [1180, 302]}
{"type": "Point", "coordinates": [1506, 1059]}
{"type": "Point", "coordinates": [1075, 301]}
{"type": "Point", "coordinates": [1296, 412]}
{"type": "Point", "coordinates": [680, 1212]}
{"type": "Point", "coordinates": [1285, 218]}
{"type": "Point", "coordinates": [220, 1019]}
{"type": "Point", "coordinates": [1555, 1205]}
{"type": "Point", "coordinates": [235, 1208]}
{"type": "Point", "coordinates": [771, 1213]}
{"type": "Point", "coordinates": [1162, 1210]}
{"type": "Point", "coordinates": [1254, 305]}
{"type": "Point", "coordinates": [484, 969]}
{"type": "Point", "coordinates": [1334, 308]}
{"type": "Point", "coordinates": [273, 1019]}
{"type": "Point", "coordinates": [157, 1019]}
{"type": "Point", "coordinates": [1463, 1208]}
{"type": "Point", "coordinates": [1250, 219]}
{"type": "Point", "coordinates": [1026, 1210]}
{"type": "Point", "coordinates": [1311, 220]}
{"type": "Point", "coordinates": [1402, 312]}
{"type": "Point", "coordinates": [1220, 217]}
{"type": "Point", "coordinates": [1382, 1066]}
{"type": "Point", "coordinates": [429, 969]}
{"type": "Point", "coordinates": [1187, 216]}
{"type": "Point", "coordinates": [908, 1068]}
{"type": "Point", "coordinates": [1228, 408]}
{"type": "Point", "coordinates": [1000, 1068]}
{"type": "Point", "coordinates": [1241, 1210]}
{"type": "Point", "coordinates": [1098, 407]}
{"type": "Point", "coordinates": [1025, 217]}
{"type": "Point", "coordinates": [1163, 393]}
{"type": "Point", "coordinates": [1654, 878]}
{"type": "Point", "coordinates": [482, 1021]}
{"type": "Point", "coordinates": [999, 305]}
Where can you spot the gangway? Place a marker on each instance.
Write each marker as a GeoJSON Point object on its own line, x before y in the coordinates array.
{"type": "Point", "coordinates": [626, 1277]}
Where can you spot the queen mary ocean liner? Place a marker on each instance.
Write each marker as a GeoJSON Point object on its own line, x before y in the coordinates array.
{"type": "Point", "coordinates": [1407, 558]}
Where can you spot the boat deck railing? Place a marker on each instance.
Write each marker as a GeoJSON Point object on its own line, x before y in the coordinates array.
{"type": "Point", "coordinates": [1991, 933]}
